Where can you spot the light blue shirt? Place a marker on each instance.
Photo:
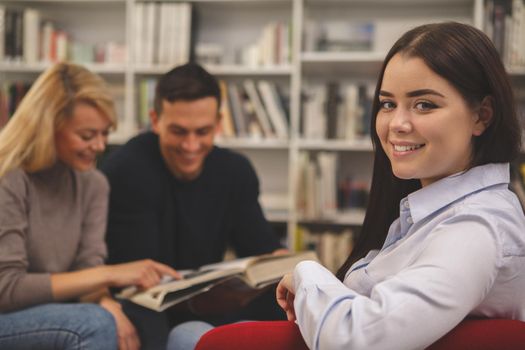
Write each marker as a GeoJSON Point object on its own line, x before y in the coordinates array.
{"type": "Point", "coordinates": [457, 249]}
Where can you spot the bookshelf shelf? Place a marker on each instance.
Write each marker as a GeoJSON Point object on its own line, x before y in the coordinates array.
{"type": "Point", "coordinates": [234, 1]}
{"type": "Point", "coordinates": [248, 143]}
{"type": "Point", "coordinates": [222, 70]}
{"type": "Point", "coordinates": [276, 216]}
{"type": "Point", "coordinates": [351, 217]}
{"type": "Point", "coordinates": [342, 57]}
{"type": "Point", "coordinates": [25, 2]}
{"type": "Point", "coordinates": [284, 70]}
{"type": "Point", "coordinates": [389, 2]}
{"type": "Point", "coordinates": [516, 71]}
{"type": "Point", "coordinates": [355, 63]}
{"type": "Point", "coordinates": [20, 67]}
{"type": "Point", "coordinates": [335, 145]}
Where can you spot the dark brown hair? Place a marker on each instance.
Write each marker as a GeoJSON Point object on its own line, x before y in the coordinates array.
{"type": "Point", "coordinates": [187, 82]}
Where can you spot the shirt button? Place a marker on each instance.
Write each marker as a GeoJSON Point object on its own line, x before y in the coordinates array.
{"type": "Point", "coordinates": [406, 204]}
{"type": "Point", "coordinates": [409, 220]}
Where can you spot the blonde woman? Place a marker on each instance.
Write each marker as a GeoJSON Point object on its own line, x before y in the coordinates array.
{"type": "Point", "coordinates": [53, 209]}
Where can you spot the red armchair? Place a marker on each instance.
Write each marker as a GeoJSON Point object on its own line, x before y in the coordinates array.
{"type": "Point", "coordinates": [257, 335]}
{"type": "Point", "coordinates": [484, 334]}
{"type": "Point", "coordinates": [474, 334]}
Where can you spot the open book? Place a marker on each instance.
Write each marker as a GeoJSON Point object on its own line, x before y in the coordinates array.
{"type": "Point", "coordinates": [244, 276]}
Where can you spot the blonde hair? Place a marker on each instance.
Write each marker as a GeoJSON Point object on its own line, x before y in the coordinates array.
{"type": "Point", "coordinates": [28, 139]}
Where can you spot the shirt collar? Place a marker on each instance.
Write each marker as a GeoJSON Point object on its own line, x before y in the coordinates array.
{"type": "Point", "coordinates": [439, 194]}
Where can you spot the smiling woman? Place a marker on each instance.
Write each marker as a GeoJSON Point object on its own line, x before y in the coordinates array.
{"type": "Point", "coordinates": [443, 237]}
{"type": "Point", "coordinates": [52, 104]}
{"type": "Point", "coordinates": [53, 211]}
{"type": "Point", "coordinates": [82, 137]}
{"type": "Point", "coordinates": [424, 124]}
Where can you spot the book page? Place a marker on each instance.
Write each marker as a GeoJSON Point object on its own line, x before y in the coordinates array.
{"type": "Point", "coordinates": [270, 270]}
{"type": "Point", "coordinates": [242, 263]}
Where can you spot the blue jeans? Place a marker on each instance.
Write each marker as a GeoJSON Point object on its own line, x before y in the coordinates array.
{"type": "Point", "coordinates": [186, 335]}
{"type": "Point", "coordinates": [59, 326]}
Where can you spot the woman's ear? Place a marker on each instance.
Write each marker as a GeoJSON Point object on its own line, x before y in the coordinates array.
{"type": "Point", "coordinates": [484, 115]}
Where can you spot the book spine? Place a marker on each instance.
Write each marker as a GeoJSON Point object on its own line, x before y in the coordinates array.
{"type": "Point", "coordinates": [273, 107]}
{"type": "Point", "coordinates": [258, 108]}
{"type": "Point", "coordinates": [2, 32]}
{"type": "Point", "coordinates": [9, 34]}
{"type": "Point", "coordinates": [18, 35]}
{"type": "Point", "coordinates": [31, 35]}
{"type": "Point", "coordinates": [237, 110]}
{"type": "Point", "coordinates": [227, 128]}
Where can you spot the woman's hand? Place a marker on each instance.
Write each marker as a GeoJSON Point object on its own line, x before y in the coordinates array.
{"type": "Point", "coordinates": [285, 294]}
{"type": "Point", "coordinates": [128, 338]}
{"type": "Point", "coordinates": [143, 273]}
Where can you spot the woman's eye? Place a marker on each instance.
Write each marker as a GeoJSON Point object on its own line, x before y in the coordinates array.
{"type": "Point", "coordinates": [425, 106]}
{"type": "Point", "coordinates": [386, 105]}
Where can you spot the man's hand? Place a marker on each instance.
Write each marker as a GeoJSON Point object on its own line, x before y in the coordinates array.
{"type": "Point", "coordinates": [285, 294]}
{"type": "Point", "coordinates": [128, 338]}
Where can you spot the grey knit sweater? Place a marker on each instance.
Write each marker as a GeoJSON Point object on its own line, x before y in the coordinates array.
{"type": "Point", "coordinates": [50, 221]}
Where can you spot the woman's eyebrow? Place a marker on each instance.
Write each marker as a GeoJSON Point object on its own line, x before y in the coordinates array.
{"type": "Point", "coordinates": [414, 93]}
{"type": "Point", "coordinates": [422, 92]}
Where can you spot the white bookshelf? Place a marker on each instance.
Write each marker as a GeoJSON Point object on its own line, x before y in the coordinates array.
{"type": "Point", "coordinates": [247, 143]}
{"type": "Point", "coordinates": [335, 145]}
{"type": "Point", "coordinates": [222, 70]}
{"type": "Point", "coordinates": [233, 24]}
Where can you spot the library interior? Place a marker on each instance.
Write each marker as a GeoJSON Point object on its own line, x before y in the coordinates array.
{"type": "Point", "coordinates": [297, 80]}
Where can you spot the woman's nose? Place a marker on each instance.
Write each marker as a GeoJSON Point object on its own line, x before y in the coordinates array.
{"type": "Point", "coordinates": [401, 121]}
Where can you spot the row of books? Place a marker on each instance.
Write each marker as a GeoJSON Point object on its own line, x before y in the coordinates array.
{"type": "Point", "coordinates": [338, 36]}
{"type": "Point", "coordinates": [250, 109]}
{"type": "Point", "coordinates": [331, 247]}
{"type": "Point", "coordinates": [272, 48]}
{"type": "Point", "coordinates": [254, 109]}
{"type": "Point", "coordinates": [505, 25]}
{"type": "Point", "coordinates": [26, 37]}
{"type": "Point", "coordinates": [336, 111]}
{"type": "Point", "coordinates": [11, 93]}
{"type": "Point", "coordinates": [322, 192]}
{"type": "Point", "coordinates": [162, 32]}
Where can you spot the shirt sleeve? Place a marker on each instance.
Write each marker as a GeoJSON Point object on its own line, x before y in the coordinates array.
{"type": "Point", "coordinates": [422, 302]}
{"type": "Point", "coordinates": [252, 233]}
{"type": "Point", "coordinates": [92, 249]}
{"type": "Point", "coordinates": [18, 287]}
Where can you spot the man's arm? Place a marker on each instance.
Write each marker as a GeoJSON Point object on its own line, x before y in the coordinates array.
{"type": "Point", "coordinates": [132, 227]}
{"type": "Point", "coordinates": [253, 234]}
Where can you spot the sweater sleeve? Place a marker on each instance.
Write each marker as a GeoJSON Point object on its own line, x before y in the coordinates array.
{"type": "Point", "coordinates": [92, 249]}
{"type": "Point", "coordinates": [18, 287]}
{"type": "Point", "coordinates": [252, 233]}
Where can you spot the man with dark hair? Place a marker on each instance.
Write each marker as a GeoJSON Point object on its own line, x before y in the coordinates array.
{"type": "Point", "coordinates": [175, 197]}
